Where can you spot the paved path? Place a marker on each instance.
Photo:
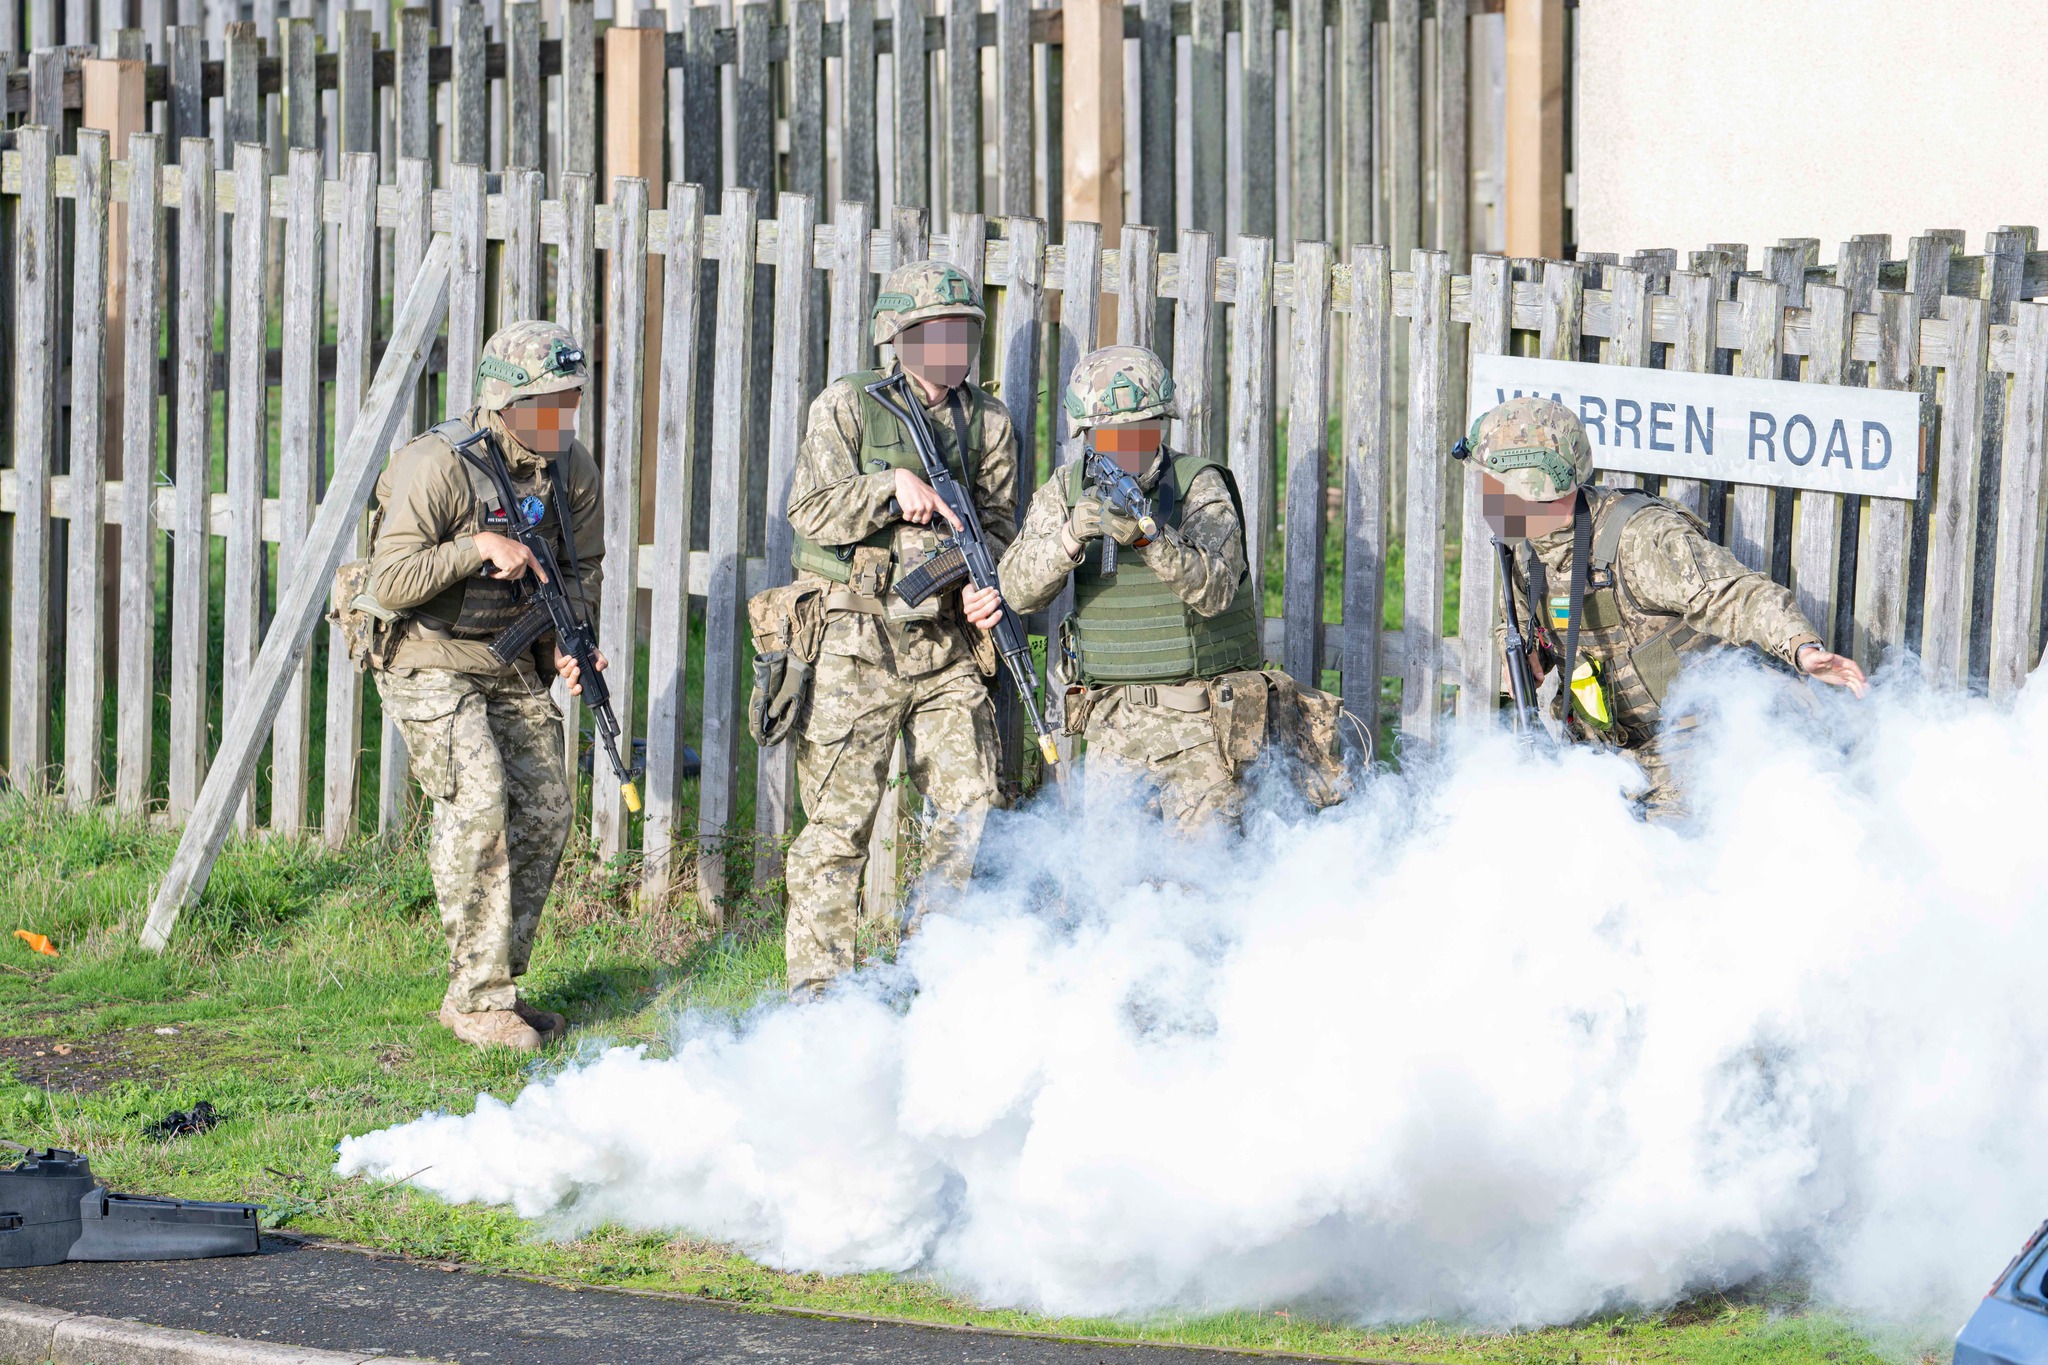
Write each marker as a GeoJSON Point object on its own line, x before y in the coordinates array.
{"type": "Point", "coordinates": [305, 1295]}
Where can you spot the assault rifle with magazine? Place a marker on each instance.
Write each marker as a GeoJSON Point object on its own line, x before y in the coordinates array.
{"type": "Point", "coordinates": [1119, 492]}
{"type": "Point", "coordinates": [964, 555]}
{"type": "Point", "coordinates": [549, 607]}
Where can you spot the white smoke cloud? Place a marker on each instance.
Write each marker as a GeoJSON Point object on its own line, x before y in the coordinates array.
{"type": "Point", "coordinates": [1476, 1045]}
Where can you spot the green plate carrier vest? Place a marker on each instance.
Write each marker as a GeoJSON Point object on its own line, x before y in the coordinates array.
{"type": "Point", "coordinates": [884, 444]}
{"type": "Point", "coordinates": [481, 608]}
{"type": "Point", "coordinates": [1132, 628]}
{"type": "Point", "coordinates": [1639, 651]}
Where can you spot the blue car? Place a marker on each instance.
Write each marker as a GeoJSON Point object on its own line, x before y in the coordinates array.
{"type": "Point", "coordinates": [2011, 1326]}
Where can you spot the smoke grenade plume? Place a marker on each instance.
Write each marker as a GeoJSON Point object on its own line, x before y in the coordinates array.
{"type": "Point", "coordinates": [1477, 1044]}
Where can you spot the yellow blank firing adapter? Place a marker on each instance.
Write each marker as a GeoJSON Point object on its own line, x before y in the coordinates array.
{"type": "Point", "coordinates": [1049, 749]}
{"type": "Point", "coordinates": [630, 794]}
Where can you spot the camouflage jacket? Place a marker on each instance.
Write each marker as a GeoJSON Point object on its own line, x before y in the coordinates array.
{"type": "Point", "coordinates": [832, 502]}
{"type": "Point", "coordinates": [427, 519]}
{"type": "Point", "coordinates": [1202, 560]}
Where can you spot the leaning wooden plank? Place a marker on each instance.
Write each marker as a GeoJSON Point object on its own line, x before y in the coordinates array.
{"type": "Point", "coordinates": [624, 403]}
{"type": "Point", "coordinates": [1423, 586]}
{"type": "Point", "coordinates": [299, 428]}
{"type": "Point", "coordinates": [1951, 555]}
{"type": "Point", "coordinates": [789, 394]}
{"type": "Point", "coordinates": [409, 248]}
{"type": "Point", "coordinates": [911, 83]}
{"type": "Point", "coordinates": [1479, 563]}
{"type": "Point", "coordinates": [135, 728]}
{"type": "Point", "coordinates": [521, 263]}
{"type": "Point", "coordinates": [857, 104]}
{"type": "Point", "coordinates": [84, 625]}
{"type": "Point", "coordinates": [304, 597]}
{"type": "Point", "coordinates": [1308, 428]}
{"type": "Point", "coordinates": [1817, 548]}
{"type": "Point", "coordinates": [1251, 387]}
{"type": "Point", "coordinates": [1879, 621]}
{"type": "Point", "coordinates": [355, 317]}
{"type": "Point", "coordinates": [1014, 108]}
{"type": "Point", "coordinates": [1137, 286]}
{"type": "Point", "coordinates": [668, 637]}
{"type": "Point", "coordinates": [35, 435]}
{"type": "Point", "coordinates": [726, 594]}
{"type": "Point", "coordinates": [1752, 508]}
{"type": "Point", "coordinates": [2016, 585]}
{"type": "Point", "coordinates": [1194, 344]}
{"type": "Point", "coordinates": [466, 285]}
{"type": "Point", "coordinates": [191, 533]}
{"type": "Point", "coordinates": [247, 436]}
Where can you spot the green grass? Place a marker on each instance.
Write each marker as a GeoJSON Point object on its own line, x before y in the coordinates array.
{"type": "Point", "coordinates": [303, 990]}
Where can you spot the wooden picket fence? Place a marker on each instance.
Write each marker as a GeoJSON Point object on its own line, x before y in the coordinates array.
{"type": "Point", "coordinates": [721, 287]}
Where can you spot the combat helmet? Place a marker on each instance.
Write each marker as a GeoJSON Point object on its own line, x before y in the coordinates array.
{"type": "Point", "coordinates": [1535, 447]}
{"type": "Point", "coordinates": [1116, 385]}
{"type": "Point", "coordinates": [919, 292]}
{"type": "Point", "coordinates": [527, 359]}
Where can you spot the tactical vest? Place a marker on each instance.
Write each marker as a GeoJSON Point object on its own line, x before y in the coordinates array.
{"type": "Point", "coordinates": [1130, 627]}
{"type": "Point", "coordinates": [885, 444]}
{"type": "Point", "coordinates": [1640, 651]}
{"type": "Point", "coordinates": [479, 608]}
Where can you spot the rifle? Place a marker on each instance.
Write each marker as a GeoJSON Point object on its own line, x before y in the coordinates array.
{"type": "Point", "coordinates": [1521, 677]}
{"type": "Point", "coordinates": [962, 555]}
{"type": "Point", "coordinates": [551, 606]}
{"type": "Point", "coordinates": [1119, 492]}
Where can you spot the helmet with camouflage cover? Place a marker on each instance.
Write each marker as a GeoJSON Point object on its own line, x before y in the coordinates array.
{"type": "Point", "coordinates": [1117, 385]}
{"type": "Point", "coordinates": [527, 359]}
{"type": "Point", "coordinates": [919, 292]}
{"type": "Point", "coordinates": [1535, 447]}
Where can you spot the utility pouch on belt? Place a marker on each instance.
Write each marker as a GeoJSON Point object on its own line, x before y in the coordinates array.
{"type": "Point", "coordinates": [1238, 707]}
{"type": "Point", "coordinates": [1077, 702]}
{"type": "Point", "coordinates": [1307, 722]}
{"type": "Point", "coordinates": [868, 571]}
{"type": "Point", "coordinates": [789, 628]}
{"type": "Point", "coordinates": [367, 626]}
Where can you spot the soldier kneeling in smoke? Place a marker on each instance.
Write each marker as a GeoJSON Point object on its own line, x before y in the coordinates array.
{"type": "Point", "coordinates": [485, 738]}
{"type": "Point", "coordinates": [1163, 655]}
{"type": "Point", "coordinates": [1655, 592]}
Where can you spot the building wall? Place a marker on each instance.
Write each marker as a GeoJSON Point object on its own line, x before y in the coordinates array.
{"type": "Point", "coordinates": [1752, 120]}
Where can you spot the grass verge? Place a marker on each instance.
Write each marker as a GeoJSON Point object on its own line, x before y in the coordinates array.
{"type": "Point", "coordinates": [299, 999]}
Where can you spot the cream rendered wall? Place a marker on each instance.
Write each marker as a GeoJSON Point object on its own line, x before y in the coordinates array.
{"type": "Point", "coordinates": [1749, 120]}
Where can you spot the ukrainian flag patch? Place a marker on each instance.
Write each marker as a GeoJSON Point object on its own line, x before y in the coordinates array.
{"type": "Point", "coordinates": [1560, 613]}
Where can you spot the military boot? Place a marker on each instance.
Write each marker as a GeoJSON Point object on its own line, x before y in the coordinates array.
{"type": "Point", "coordinates": [546, 1023]}
{"type": "Point", "coordinates": [491, 1028]}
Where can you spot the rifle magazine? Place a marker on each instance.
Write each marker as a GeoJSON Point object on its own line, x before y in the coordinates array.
{"type": "Point", "coordinates": [517, 638]}
{"type": "Point", "coordinates": [941, 571]}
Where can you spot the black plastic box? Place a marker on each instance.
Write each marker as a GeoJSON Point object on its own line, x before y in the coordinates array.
{"type": "Point", "coordinates": [133, 1227]}
{"type": "Point", "coordinates": [39, 1200]}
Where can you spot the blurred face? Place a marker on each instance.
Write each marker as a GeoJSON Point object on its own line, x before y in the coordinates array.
{"type": "Point", "coordinates": [1132, 445]}
{"type": "Point", "coordinates": [940, 352]}
{"type": "Point", "coordinates": [545, 424]}
{"type": "Point", "coordinates": [1515, 518]}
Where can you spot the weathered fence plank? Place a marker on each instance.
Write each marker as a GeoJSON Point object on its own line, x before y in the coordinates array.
{"type": "Point", "coordinates": [1251, 387]}
{"type": "Point", "coordinates": [1478, 562]}
{"type": "Point", "coordinates": [1194, 344]}
{"type": "Point", "coordinates": [2016, 581]}
{"type": "Point", "coordinates": [355, 316]}
{"type": "Point", "coordinates": [190, 530]}
{"type": "Point", "coordinates": [247, 439]}
{"type": "Point", "coordinates": [1817, 549]}
{"type": "Point", "coordinates": [1308, 436]}
{"type": "Point", "coordinates": [522, 264]}
{"type": "Point", "coordinates": [1951, 555]}
{"type": "Point", "coordinates": [911, 82]}
{"type": "Point", "coordinates": [301, 423]}
{"type": "Point", "coordinates": [84, 626]}
{"type": "Point", "coordinates": [35, 437]}
{"type": "Point", "coordinates": [1886, 546]}
{"type": "Point", "coordinates": [135, 705]}
{"type": "Point", "coordinates": [1752, 510]}
{"type": "Point", "coordinates": [1429, 359]}
{"type": "Point", "coordinates": [466, 231]}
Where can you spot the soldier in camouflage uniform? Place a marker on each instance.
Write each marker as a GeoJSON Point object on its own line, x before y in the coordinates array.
{"type": "Point", "coordinates": [1657, 592]}
{"type": "Point", "coordinates": [862, 511]}
{"type": "Point", "coordinates": [485, 738]}
{"type": "Point", "coordinates": [1173, 634]}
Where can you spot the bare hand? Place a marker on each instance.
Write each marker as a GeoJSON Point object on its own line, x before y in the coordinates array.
{"type": "Point", "coordinates": [918, 502]}
{"type": "Point", "coordinates": [506, 556]}
{"type": "Point", "coordinates": [982, 606]}
{"type": "Point", "coordinates": [1833, 669]}
{"type": "Point", "coordinates": [572, 674]}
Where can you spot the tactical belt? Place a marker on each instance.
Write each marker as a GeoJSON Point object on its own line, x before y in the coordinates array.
{"type": "Point", "coordinates": [1190, 697]}
{"type": "Point", "coordinates": [846, 599]}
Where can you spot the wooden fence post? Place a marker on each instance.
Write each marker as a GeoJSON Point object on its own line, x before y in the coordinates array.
{"type": "Point", "coordinates": [1817, 555]}
{"type": "Point", "coordinates": [1250, 447]}
{"type": "Point", "coordinates": [1092, 127]}
{"type": "Point", "coordinates": [2016, 583]}
{"type": "Point", "coordinates": [1535, 124]}
{"type": "Point", "coordinates": [1308, 434]}
{"type": "Point", "coordinates": [192, 531]}
{"type": "Point", "coordinates": [1885, 556]}
{"type": "Point", "coordinates": [247, 437]}
{"type": "Point", "coordinates": [668, 638]}
{"type": "Point", "coordinates": [355, 318]}
{"type": "Point", "coordinates": [726, 593]}
{"type": "Point", "coordinates": [136, 705]}
{"type": "Point", "coordinates": [1423, 592]}
{"type": "Point", "coordinates": [84, 627]}
{"type": "Point", "coordinates": [300, 427]}
{"type": "Point", "coordinates": [304, 596]}
{"type": "Point", "coordinates": [1752, 508]}
{"type": "Point", "coordinates": [35, 436]}
{"type": "Point", "coordinates": [1952, 548]}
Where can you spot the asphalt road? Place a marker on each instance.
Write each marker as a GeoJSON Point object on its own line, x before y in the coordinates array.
{"type": "Point", "coordinates": [305, 1295]}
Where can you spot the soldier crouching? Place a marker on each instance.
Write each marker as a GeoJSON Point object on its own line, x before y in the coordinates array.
{"type": "Point", "coordinates": [1654, 593]}
{"type": "Point", "coordinates": [485, 738]}
{"type": "Point", "coordinates": [862, 513]}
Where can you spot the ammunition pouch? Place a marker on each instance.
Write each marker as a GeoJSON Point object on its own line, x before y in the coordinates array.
{"type": "Point", "coordinates": [367, 627]}
{"type": "Point", "coordinates": [869, 571]}
{"type": "Point", "coordinates": [789, 629]}
{"type": "Point", "coordinates": [1261, 708]}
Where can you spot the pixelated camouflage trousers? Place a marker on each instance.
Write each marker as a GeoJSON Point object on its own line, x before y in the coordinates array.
{"type": "Point", "coordinates": [488, 751]}
{"type": "Point", "coordinates": [858, 707]}
{"type": "Point", "coordinates": [1171, 754]}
